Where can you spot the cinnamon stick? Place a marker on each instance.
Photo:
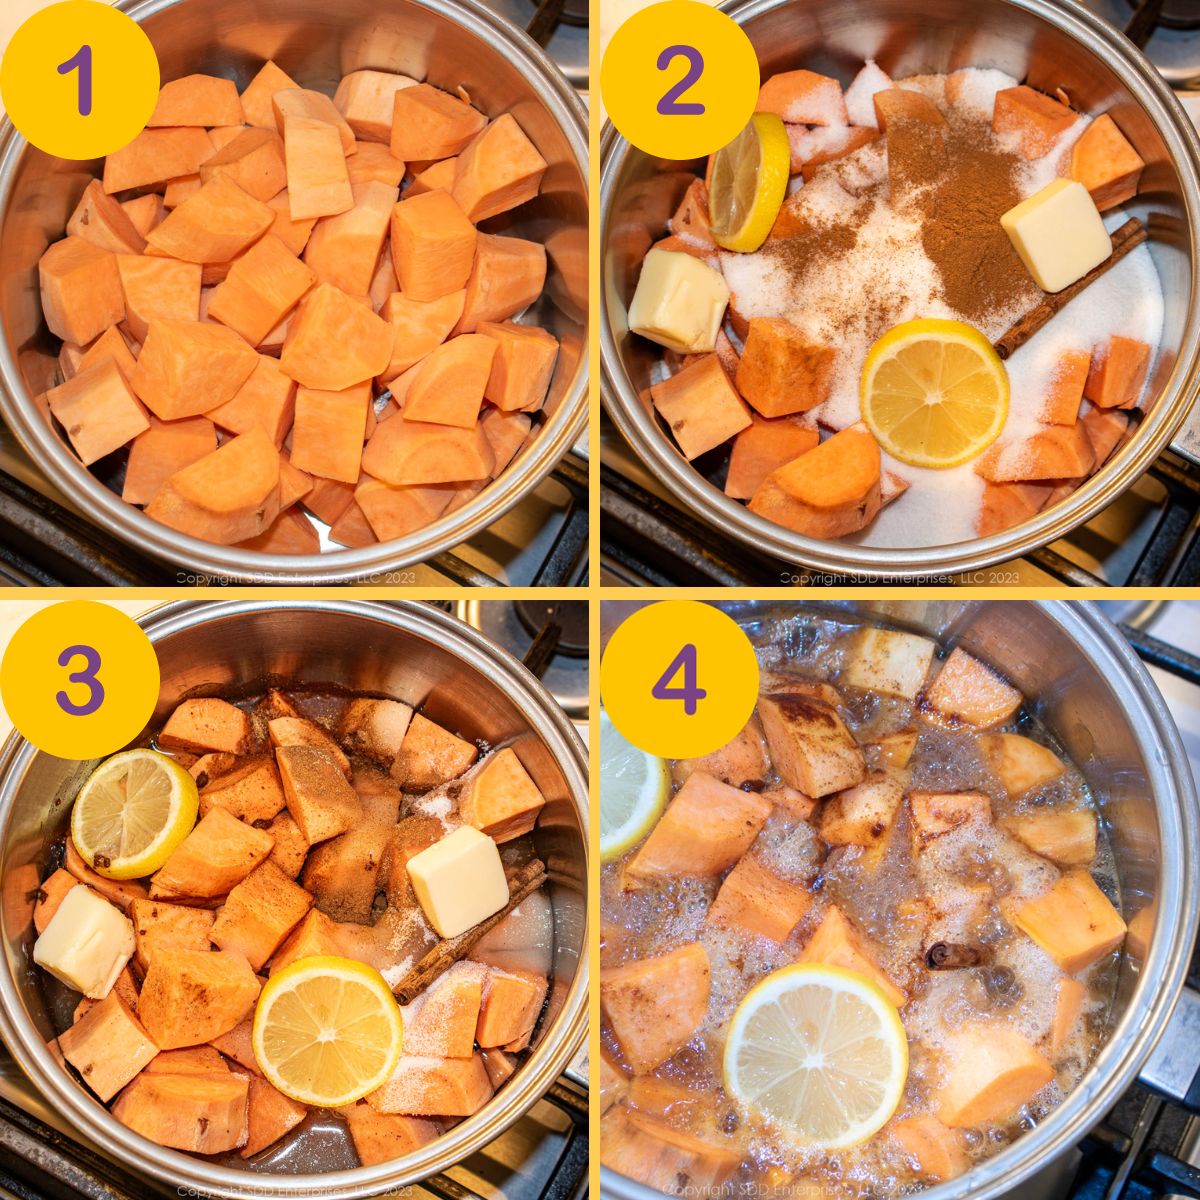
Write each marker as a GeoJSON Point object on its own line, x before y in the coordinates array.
{"type": "Point", "coordinates": [521, 883]}
{"type": "Point", "coordinates": [953, 956]}
{"type": "Point", "coordinates": [1129, 236]}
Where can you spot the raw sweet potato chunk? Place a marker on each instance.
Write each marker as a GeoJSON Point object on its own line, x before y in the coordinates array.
{"type": "Point", "coordinates": [966, 690]}
{"type": "Point", "coordinates": [121, 892]}
{"type": "Point", "coordinates": [375, 164]}
{"type": "Point", "coordinates": [157, 924]}
{"type": "Point", "coordinates": [108, 1046]}
{"type": "Point", "coordinates": [1106, 164]}
{"type": "Point", "coordinates": [189, 367]}
{"type": "Point", "coordinates": [1067, 838]}
{"type": "Point", "coordinates": [297, 731]}
{"type": "Point", "coordinates": [448, 386]}
{"type": "Point", "coordinates": [1036, 120]}
{"type": "Point", "coordinates": [256, 99]}
{"type": "Point", "coordinates": [144, 212]}
{"type": "Point", "coordinates": [315, 934]}
{"type": "Point", "coordinates": [320, 800]}
{"type": "Point", "coordinates": [1020, 763]}
{"type": "Point", "coordinates": [381, 1137]}
{"type": "Point", "coordinates": [1053, 452]}
{"type": "Point", "coordinates": [156, 156]}
{"type": "Point", "coordinates": [803, 98]}
{"type": "Point", "coordinates": [251, 792]}
{"type": "Point", "coordinates": [395, 512]}
{"type": "Point", "coordinates": [318, 181]}
{"type": "Point", "coordinates": [522, 367]}
{"type": "Point", "coordinates": [204, 1115]}
{"type": "Point", "coordinates": [334, 341]}
{"type": "Point", "coordinates": [655, 1005]}
{"type": "Point", "coordinates": [367, 100]}
{"type": "Point", "coordinates": [837, 943]}
{"type": "Point", "coordinates": [937, 1151]}
{"type": "Point", "coordinates": [428, 123]}
{"type": "Point", "coordinates": [290, 533]}
{"type": "Point", "coordinates": [98, 411]}
{"type": "Point", "coordinates": [440, 175]}
{"type": "Point", "coordinates": [375, 728]}
{"type": "Point", "coordinates": [990, 1072]}
{"type": "Point", "coordinates": [156, 288]}
{"type": "Point", "coordinates": [1074, 922]}
{"type": "Point", "coordinates": [50, 895]}
{"type": "Point", "coordinates": [344, 249]}
{"type": "Point", "coordinates": [80, 290]}
{"type": "Point", "coordinates": [441, 1022]}
{"type": "Point", "coordinates": [217, 222]}
{"type": "Point", "coordinates": [420, 326]}
{"type": "Point", "coordinates": [497, 170]}
{"type": "Point", "coordinates": [191, 996]}
{"type": "Point", "coordinates": [253, 159]}
{"type": "Point", "coordinates": [1008, 504]}
{"type": "Point", "coordinates": [216, 856]}
{"type": "Point", "coordinates": [197, 100]}
{"type": "Point", "coordinates": [292, 104]}
{"type": "Point", "coordinates": [110, 344]}
{"type": "Point", "coordinates": [266, 400]}
{"type": "Point", "coordinates": [507, 276]}
{"type": "Point", "coordinates": [810, 745]}
{"type": "Point", "coordinates": [502, 801]}
{"type": "Point", "coordinates": [426, 1087]}
{"type": "Point", "coordinates": [327, 434]}
{"type": "Point", "coordinates": [403, 452]}
{"type": "Point", "coordinates": [757, 900]}
{"type": "Point", "coordinates": [206, 724]}
{"type": "Point", "coordinates": [99, 219]}
{"type": "Point", "coordinates": [762, 447]}
{"type": "Point", "coordinates": [433, 246]}
{"type": "Point", "coordinates": [700, 406]}
{"type": "Point", "coordinates": [1064, 394]}
{"type": "Point", "coordinates": [511, 1003]}
{"type": "Point", "coordinates": [259, 913]}
{"type": "Point", "coordinates": [262, 287]}
{"type": "Point", "coordinates": [430, 755]}
{"type": "Point", "coordinates": [1118, 373]}
{"type": "Point", "coordinates": [705, 829]}
{"type": "Point", "coordinates": [781, 371]}
{"type": "Point", "coordinates": [270, 1114]}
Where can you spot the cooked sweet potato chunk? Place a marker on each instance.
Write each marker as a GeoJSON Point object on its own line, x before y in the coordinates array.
{"type": "Point", "coordinates": [938, 813]}
{"type": "Point", "coordinates": [743, 760]}
{"type": "Point", "coordinates": [1067, 838]}
{"type": "Point", "coordinates": [1020, 763]}
{"type": "Point", "coordinates": [157, 924]}
{"type": "Point", "coordinates": [990, 1072]}
{"type": "Point", "coordinates": [966, 690]}
{"type": "Point", "coordinates": [862, 814]}
{"type": "Point", "coordinates": [887, 661]}
{"type": "Point", "coordinates": [654, 1153]}
{"type": "Point", "coordinates": [810, 745]}
{"type": "Point", "coordinates": [935, 1150]}
{"type": "Point", "coordinates": [1069, 995]}
{"type": "Point", "coordinates": [757, 900]}
{"type": "Point", "coordinates": [837, 943]}
{"type": "Point", "coordinates": [1074, 922]}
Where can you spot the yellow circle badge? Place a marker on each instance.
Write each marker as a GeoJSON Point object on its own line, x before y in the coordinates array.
{"type": "Point", "coordinates": [79, 79]}
{"type": "Point", "coordinates": [79, 680]}
{"type": "Point", "coordinates": [680, 79]}
{"type": "Point", "coordinates": [679, 679]}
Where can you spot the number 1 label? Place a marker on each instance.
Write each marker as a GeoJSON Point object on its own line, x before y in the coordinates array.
{"type": "Point", "coordinates": [689, 691]}
{"type": "Point", "coordinates": [81, 61]}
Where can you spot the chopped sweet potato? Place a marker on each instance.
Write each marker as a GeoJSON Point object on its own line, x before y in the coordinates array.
{"type": "Point", "coordinates": [328, 431]}
{"type": "Point", "coordinates": [99, 219]}
{"type": "Point", "coordinates": [1067, 838]}
{"type": "Point", "coordinates": [381, 1137]}
{"type": "Point", "coordinates": [700, 406]}
{"type": "Point", "coordinates": [290, 533]}
{"type": "Point", "coordinates": [304, 104]}
{"type": "Point", "coordinates": [507, 276]}
{"type": "Point", "coordinates": [1052, 452]}
{"type": "Point", "coordinates": [270, 1114]}
{"type": "Point", "coordinates": [1008, 504]}
{"type": "Point", "coordinates": [433, 246]}
{"type": "Point", "coordinates": [344, 249]}
{"type": "Point", "coordinates": [837, 943]}
{"type": "Point", "coordinates": [887, 661]}
{"type": "Point", "coordinates": [705, 829]}
{"type": "Point", "coordinates": [395, 512]}
{"type": "Point", "coordinates": [197, 100]}
{"type": "Point", "coordinates": [522, 367]}
{"type": "Point", "coordinates": [403, 453]}
{"type": "Point", "coordinates": [512, 1001]}
{"type": "Point", "coordinates": [158, 287]}
{"type": "Point", "coordinates": [429, 124]}
{"type": "Point", "coordinates": [320, 800]}
{"type": "Point", "coordinates": [1035, 120]}
{"type": "Point", "coordinates": [990, 1072]}
{"type": "Point", "coordinates": [157, 924]}
{"type": "Point", "coordinates": [1074, 922]}
{"type": "Point", "coordinates": [439, 175]}
{"type": "Point", "coordinates": [757, 900]}
{"type": "Point", "coordinates": [156, 156]}
{"type": "Point", "coordinates": [742, 760]}
{"type": "Point", "coordinates": [190, 997]}
{"type": "Point", "coordinates": [188, 1060]}
{"type": "Point", "coordinates": [803, 98]}
{"type": "Point", "coordinates": [206, 724]}
{"type": "Point", "coordinates": [649, 1150]}
{"type": "Point", "coordinates": [108, 1046]}
{"type": "Point", "coordinates": [367, 100]}
{"type": "Point", "coordinates": [121, 892]}
{"type": "Point", "coordinates": [375, 728]}
{"type": "Point", "coordinates": [1064, 393]}
{"type": "Point", "coordinates": [810, 745]}
{"type": "Point", "coordinates": [1020, 763]}
{"type": "Point", "coordinates": [178, 190]}
{"type": "Point", "coordinates": [447, 387]}
{"type": "Point", "coordinates": [267, 400]}
{"type": "Point", "coordinates": [791, 801]}
{"type": "Point", "coordinates": [1069, 995]}
{"type": "Point", "coordinates": [898, 105]}
{"type": "Point", "coordinates": [1106, 164]}
{"type": "Point", "coordinates": [420, 327]}
{"type": "Point", "coordinates": [217, 222]}
{"type": "Point", "coordinates": [659, 1097]}
{"type": "Point", "coordinates": [502, 800]}
{"type": "Point", "coordinates": [655, 1005]}
{"type": "Point", "coordinates": [259, 913]}
{"type": "Point", "coordinates": [218, 854]}
{"type": "Point", "coordinates": [262, 287]}
{"type": "Point", "coordinates": [334, 342]}
{"type": "Point", "coordinates": [203, 1115]}
{"type": "Point", "coordinates": [826, 145]}
{"type": "Point", "coordinates": [98, 411]}
{"type": "Point", "coordinates": [297, 731]}
{"type": "Point", "coordinates": [426, 1087]}
{"type": "Point", "coordinates": [937, 813]}
{"type": "Point", "coordinates": [1105, 428]}
{"type": "Point", "coordinates": [110, 344]}
{"type": "Point", "coordinates": [762, 447]}
{"type": "Point", "coordinates": [863, 814]}
{"type": "Point", "coordinates": [441, 1022]}
{"type": "Point", "coordinates": [894, 749]}
{"type": "Point", "coordinates": [256, 99]}
{"type": "Point", "coordinates": [1118, 373]}
{"type": "Point", "coordinates": [80, 290]}
{"type": "Point", "coordinates": [254, 160]}
{"type": "Point", "coordinates": [144, 212]}
{"type": "Point", "coordinates": [498, 169]}
{"type": "Point", "coordinates": [375, 164]}
{"type": "Point", "coordinates": [967, 691]}
{"type": "Point", "coordinates": [691, 219]}
{"type": "Point", "coordinates": [50, 894]}
{"type": "Point", "coordinates": [936, 1151]}
{"type": "Point", "coordinates": [781, 371]}
{"type": "Point", "coordinates": [187, 368]}
{"type": "Point", "coordinates": [315, 934]}
{"type": "Point", "coordinates": [227, 496]}
{"type": "Point", "coordinates": [318, 181]}
{"type": "Point", "coordinates": [430, 755]}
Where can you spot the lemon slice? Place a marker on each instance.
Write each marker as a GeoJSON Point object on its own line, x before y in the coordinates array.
{"type": "Point", "coordinates": [748, 183]}
{"type": "Point", "coordinates": [134, 809]}
{"type": "Point", "coordinates": [820, 1053]}
{"type": "Point", "coordinates": [934, 393]}
{"type": "Point", "coordinates": [327, 1030]}
{"type": "Point", "coordinates": [633, 791]}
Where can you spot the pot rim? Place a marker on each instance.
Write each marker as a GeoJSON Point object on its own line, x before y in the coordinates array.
{"type": "Point", "coordinates": [1154, 434]}
{"type": "Point", "coordinates": [1162, 975]}
{"type": "Point", "coordinates": [554, 441]}
{"type": "Point", "coordinates": [557, 1047]}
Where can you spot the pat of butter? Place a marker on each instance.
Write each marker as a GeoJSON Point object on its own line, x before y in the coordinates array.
{"type": "Point", "coordinates": [459, 881]}
{"type": "Point", "coordinates": [679, 302]}
{"type": "Point", "coordinates": [86, 944]}
{"type": "Point", "coordinates": [1059, 234]}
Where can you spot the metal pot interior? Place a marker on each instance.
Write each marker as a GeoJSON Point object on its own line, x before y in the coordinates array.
{"type": "Point", "coordinates": [315, 42]}
{"type": "Point", "coordinates": [1048, 45]}
{"type": "Point", "coordinates": [1088, 688]}
{"type": "Point", "coordinates": [408, 653]}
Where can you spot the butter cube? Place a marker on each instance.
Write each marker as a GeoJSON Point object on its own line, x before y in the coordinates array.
{"type": "Point", "coordinates": [459, 881]}
{"type": "Point", "coordinates": [1059, 234]}
{"type": "Point", "coordinates": [86, 944]}
{"type": "Point", "coordinates": [679, 302]}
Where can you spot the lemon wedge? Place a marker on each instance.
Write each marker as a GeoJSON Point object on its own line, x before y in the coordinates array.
{"type": "Point", "coordinates": [132, 812]}
{"type": "Point", "coordinates": [820, 1053]}
{"type": "Point", "coordinates": [633, 791]}
{"type": "Point", "coordinates": [748, 184]}
{"type": "Point", "coordinates": [327, 1030]}
{"type": "Point", "coordinates": [934, 393]}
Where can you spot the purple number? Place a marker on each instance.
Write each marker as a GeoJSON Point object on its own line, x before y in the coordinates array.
{"type": "Point", "coordinates": [88, 675]}
{"type": "Point", "coordinates": [688, 692]}
{"type": "Point", "coordinates": [669, 105]}
{"type": "Point", "coordinates": [81, 61]}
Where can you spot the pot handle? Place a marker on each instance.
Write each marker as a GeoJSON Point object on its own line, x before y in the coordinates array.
{"type": "Point", "coordinates": [1173, 1068]}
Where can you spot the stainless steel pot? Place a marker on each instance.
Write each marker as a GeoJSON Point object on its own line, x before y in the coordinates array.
{"type": "Point", "coordinates": [1083, 680]}
{"type": "Point", "coordinates": [450, 42]}
{"type": "Point", "coordinates": [1049, 43]}
{"type": "Point", "coordinates": [407, 651]}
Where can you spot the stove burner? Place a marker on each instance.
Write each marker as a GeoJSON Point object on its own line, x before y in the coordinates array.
{"type": "Point", "coordinates": [1167, 14]}
{"type": "Point", "coordinates": [571, 616]}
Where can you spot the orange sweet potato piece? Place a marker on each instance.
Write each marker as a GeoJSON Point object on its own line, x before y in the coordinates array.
{"type": "Point", "coordinates": [97, 410]}
{"type": "Point", "coordinates": [293, 234]}
{"type": "Point", "coordinates": [1069, 995]}
{"type": "Point", "coordinates": [381, 1137]}
{"type": "Point", "coordinates": [374, 164]}
{"type": "Point", "coordinates": [216, 856]}
{"type": "Point", "coordinates": [448, 386]}
{"type": "Point", "coordinates": [259, 913]}
{"type": "Point", "coordinates": [741, 760]}
{"type": "Point", "coordinates": [267, 400]}
{"type": "Point", "coordinates": [108, 1046]}
{"type": "Point", "coordinates": [441, 1023]}
{"type": "Point", "coordinates": [423, 1087]}
{"type": "Point", "coordinates": [502, 801]}
{"type": "Point", "coordinates": [403, 452]}
{"type": "Point", "coordinates": [1007, 504]}
{"type": "Point", "coordinates": [522, 367]}
{"type": "Point", "coordinates": [253, 159]}
{"type": "Point", "coordinates": [439, 175]}
{"type": "Point", "coordinates": [250, 791]}
{"type": "Point", "coordinates": [1054, 452]}
{"type": "Point", "coordinates": [936, 1151]}
{"type": "Point", "coordinates": [700, 406]}
{"type": "Point", "coordinates": [256, 99]}
{"type": "Point", "coordinates": [990, 1072]}
{"type": "Point", "coordinates": [294, 484]}
{"type": "Point", "coordinates": [781, 371]}
{"type": "Point", "coordinates": [99, 219]}
{"type": "Point", "coordinates": [1036, 120]}
{"type": "Point", "coordinates": [1067, 838]}
{"type": "Point", "coordinates": [318, 181]}
{"type": "Point", "coordinates": [655, 1005]}
{"type": "Point", "coordinates": [158, 287]}
{"type": "Point", "coordinates": [395, 512]}
{"type": "Point", "coordinates": [420, 327]}
{"type": "Point", "coordinates": [144, 212]}
{"type": "Point", "coordinates": [334, 341]}
{"type": "Point", "coordinates": [803, 98]}
{"type": "Point", "coordinates": [757, 900]}
{"type": "Point", "coordinates": [290, 533]}
{"type": "Point", "coordinates": [967, 690]}
{"type": "Point", "coordinates": [498, 169]}
{"type": "Point", "coordinates": [863, 814]}
{"type": "Point", "coordinates": [203, 1115]}
{"type": "Point", "coordinates": [344, 249]}
{"type": "Point", "coordinates": [315, 934]}
{"type": "Point", "coordinates": [156, 156]}
{"type": "Point", "coordinates": [328, 499]}
{"type": "Point", "coordinates": [197, 100]}
{"type": "Point", "coordinates": [50, 895]}
{"type": "Point", "coordinates": [430, 755]}
{"type": "Point", "coordinates": [121, 892]}
{"type": "Point", "coordinates": [936, 813]}
{"type": "Point", "coordinates": [512, 1001]}
{"type": "Point", "coordinates": [80, 290]}
{"type": "Point", "coordinates": [1019, 763]}
{"type": "Point", "coordinates": [506, 433]}
{"type": "Point", "coordinates": [1105, 427]}
{"type": "Point", "coordinates": [433, 246]}
{"type": "Point", "coordinates": [659, 1155]}
{"type": "Point", "coordinates": [297, 731]}
{"type": "Point", "coordinates": [837, 943]}
{"type": "Point", "coordinates": [836, 145]}
{"type": "Point", "coordinates": [1064, 393]}
{"type": "Point", "coordinates": [1074, 922]}
{"type": "Point", "coordinates": [691, 220]}
{"type": "Point", "coordinates": [811, 748]}
{"type": "Point", "coordinates": [212, 226]}
{"type": "Point", "coordinates": [270, 1114]}
{"type": "Point", "coordinates": [192, 996]}
{"type": "Point", "coordinates": [705, 829]}
{"type": "Point", "coordinates": [224, 497]}
{"type": "Point", "coordinates": [327, 436]}
{"type": "Point", "coordinates": [428, 123]}
{"type": "Point", "coordinates": [1117, 375]}
{"type": "Point", "coordinates": [1106, 164]}
{"type": "Point", "coordinates": [320, 800]}
{"type": "Point", "coordinates": [899, 106]}
{"type": "Point", "coordinates": [762, 447]}
{"type": "Point", "coordinates": [508, 275]}
{"type": "Point", "coordinates": [157, 924]}
{"type": "Point", "coordinates": [182, 188]}
{"type": "Point", "coordinates": [304, 104]}
{"type": "Point", "coordinates": [367, 100]}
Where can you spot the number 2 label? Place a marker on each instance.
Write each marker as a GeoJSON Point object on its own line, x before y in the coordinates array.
{"type": "Point", "coordinates": [689, 691]}
{"type": "Point", "coordinates": [670, 105]}
{"type": "Point", "coordinates": [86, 676]}
{"type": "Point", "coordinates": [81, 61]}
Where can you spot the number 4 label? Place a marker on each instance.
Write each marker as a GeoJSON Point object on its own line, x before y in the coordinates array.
{"type": "Point", "coordinates": [689, 691]}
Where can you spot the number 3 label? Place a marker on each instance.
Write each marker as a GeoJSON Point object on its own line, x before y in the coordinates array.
{"type": "Point", "coordinates": [669, 105]}
{"type": "Point", "coordinates": [87, 676]}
